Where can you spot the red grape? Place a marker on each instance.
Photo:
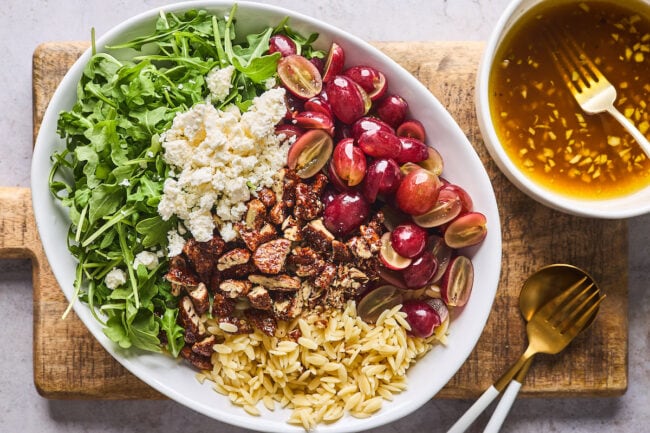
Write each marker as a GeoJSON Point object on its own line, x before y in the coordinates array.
{"type": "Point", "coordinates": [408, 240]}
{"type": "Point", "coordinates": [422, 317]}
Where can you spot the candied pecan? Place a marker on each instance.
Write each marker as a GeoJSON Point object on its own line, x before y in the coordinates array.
{"type": "Point", "coordinates": [260, 298]}
{"type": "Point", "coordinates": [288, 306]}
{"type": "Point", "coordinates": [255, 238]}
{"type": "Point", "coordinates": [222, 306]}
{"type": "Point", "coordinates": [324, 279]}
{"type": "Point", "coordinates": [189, 320]}
{"type": "Point", "coordinates": [282, 282]}
{"type": "Point", "coordinates": [235, 288]}
{"type": "Point", "coordinates": [255, 214]}
{"type": "Point", "coordinates": [239, 271]}
{"type": "Point", "coordinates": [352, 280]}
{"type": "Point", "coordinates": [372, 237]}
{"type": "Point", "coordinates": [235, 325]}
{"type": "Point", "coordinates": [202, 255]}
{"type": "Point", "coordinates": [306, 261]}
{"type": "Point", "coordinates": [181, 275]}
{"type": "Point", "coordinates": [319, 183]}
{"type": "Point", "coordinates": [278, 213]}
{"type": "Point", "coordinates": [359, 247]}
{"type": "Point", "coordinates": [267, 197]}
{"type": "Point", "coordinates": [205, 346]}
{"type": "Point", "coordinates": [262, 320]}
{"type": "Point", "coordinates": [291, 229]}
{"type": "Point", "coordinates": [199, 361]}
{"type": "Point", "coordinates": [270, 256]}
{"type": "Point", "coordinates": [234, 257]}
{"type": "Point", "coordinates": [377, 223]}
{"type": "Point", "coordinates": [200, 299]}
{"type": "Point", "coordinates": [317, 236]}
{"type": "Point", "coordinates": [340, 252]}
{"type": "Point", "coordinates": [308, 204]}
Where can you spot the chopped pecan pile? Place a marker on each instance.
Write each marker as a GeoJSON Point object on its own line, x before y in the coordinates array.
{"type": "Point", "coordinates": [284, 262]}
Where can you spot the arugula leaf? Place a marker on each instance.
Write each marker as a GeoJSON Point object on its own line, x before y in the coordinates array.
{"type": "Point", "coordinates": [173, 331]}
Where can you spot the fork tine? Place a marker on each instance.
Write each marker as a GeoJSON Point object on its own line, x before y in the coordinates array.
{"type": "Point", "coordinates": [582, 58]}
{"type": "Point", "coordinates": [564, 309]}
{"type": "Point", "coordinates": [550, 307]}
{"type": "Point", "coordinates": [582, 319]}
{"type": "Point", "coordinates": [570, 316]}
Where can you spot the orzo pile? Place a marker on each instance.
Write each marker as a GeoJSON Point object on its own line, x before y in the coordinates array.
{"type": "Point", "coordinates": [339, 364]}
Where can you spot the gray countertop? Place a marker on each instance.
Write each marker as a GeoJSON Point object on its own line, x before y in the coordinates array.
{"type": "Point", "coordinates": [24, 24]}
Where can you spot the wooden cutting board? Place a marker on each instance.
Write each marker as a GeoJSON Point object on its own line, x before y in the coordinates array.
{"type": "Point", "coordinates": [69, 363]}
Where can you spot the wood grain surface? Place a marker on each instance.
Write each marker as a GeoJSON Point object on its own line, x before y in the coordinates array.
{"type": "Point", "coordinates": [69, 363]}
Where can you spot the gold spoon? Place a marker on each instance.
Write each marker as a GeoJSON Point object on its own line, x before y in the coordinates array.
{"type": "Point", "coordinates": [538, 289]}
{"type": "Point", "coordinates": [558, 302]}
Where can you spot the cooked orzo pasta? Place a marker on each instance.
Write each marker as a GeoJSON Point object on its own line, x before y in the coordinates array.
{"type": "Point", "coordinates": [320, 366]}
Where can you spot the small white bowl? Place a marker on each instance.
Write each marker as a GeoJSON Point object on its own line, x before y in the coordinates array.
{"type": "Point", "coordinates": [623, 207]}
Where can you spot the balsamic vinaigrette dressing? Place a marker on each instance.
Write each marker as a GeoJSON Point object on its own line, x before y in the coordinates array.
{"type": "Point", "coordinates": [543, 129]}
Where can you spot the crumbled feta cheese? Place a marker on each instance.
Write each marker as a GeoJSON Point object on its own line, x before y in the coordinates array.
{"type": "Point", "coordinates": [215, 155]}
{"type": "Point", "coordinates": [219, 82]}
{"type": "Point", "coordinates": [125, 182]}
{"type": "Point", "coordinates": [115, 278]}
{"type": "Point", "coordinates": [176, 243]}
{"type": "Point", "coordinates": [146, 258]}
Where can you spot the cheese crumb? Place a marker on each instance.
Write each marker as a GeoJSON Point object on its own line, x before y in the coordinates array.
{"type": "Point", "coordinates": [146, 258]}
{"type": "Point", "coordinates": [219, 82]}
{"type": "Point", "coordinates": [215, 155]}
{"type": "Point", "coordinates": [115, 278]}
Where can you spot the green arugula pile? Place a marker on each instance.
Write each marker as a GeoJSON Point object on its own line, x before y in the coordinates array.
{"type": "Point", "coordinates": [111, 173]}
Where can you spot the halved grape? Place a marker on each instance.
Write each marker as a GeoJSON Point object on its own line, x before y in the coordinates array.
{"type": "Point", "coordinates": [282, 44]}
{"type": "Point", "coordinates": [434, 162]}
{"type": "Point", "coordinates": [408, 240]}
{"type": "Point", "coordinates": [370, 124]}
{"type": "Point", "coordinates": [413, 129]}
{"type": "Point", "coordinates": [382, 177]}
{"type": "Point", "coordinates": [391, 258]}
{"type": "Point", "coordinates": [346, 212]}
{"type": "Point", "coordinates": [334, 62]}
{"type": "Point", "coordinates": [466, 230]}
{"type": "Point", "coordinates": [319, 104]}
{"type": "Point", "coordinates": [300, 76]}
{"type": "Point", "coordinates": [457, 282]}
{"type": "Point", "coordinates": [440, 307]}
{"type": "Point", "coordinates": [379, 144]}
{"type": "Point", "coordinates": [447, 207]}
{"type": "Point", "coordinates": [442, 253]}
{"type": "Point", "coordinates": [392, 110]}
{"type": "Point", "coordinates": [412, 150]}
{"type": "Point", "coordinates": [349, 162]}
{"type": "Point", "coordinates": [418, 192]}
{"type": "Point", "coordinates": [376, 301]}
{"type": "Point", "coordinates": [373, 81]}
{"type": "Point", "coordinates": [420, 271]}
{"type": "Point", "coordinates": [314, 120]}
{"type": "Point", "coordinates": [348, 100]}
{"type": "Point", "coordinates": [289, 131]}
{"type": "Point", "coordinates": [309, 154]}
{"type": "Point", "coordinates": [422, 318]}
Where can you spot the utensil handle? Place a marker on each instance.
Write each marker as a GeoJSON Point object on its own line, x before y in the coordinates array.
{"type": "Point", "coordinates": [502, 409]}
{"type": "Point", "coordinates": [634, 132]}
{"type": "Point", "coordinates": [475, 410]}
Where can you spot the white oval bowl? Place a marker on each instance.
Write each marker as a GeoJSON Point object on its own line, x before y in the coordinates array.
{"type": "Point", "coordinates": [174, 378]}
{"type": "Point", "coordinates": [622, 207]}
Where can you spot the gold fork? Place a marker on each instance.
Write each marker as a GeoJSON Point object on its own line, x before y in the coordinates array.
{"type": "Point", "coordinates": [550, 330]}
{"type": "Point", "coordinates": [593, 92]}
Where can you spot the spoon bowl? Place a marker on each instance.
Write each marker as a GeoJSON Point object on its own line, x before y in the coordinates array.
{"type": "Point", "coordinates": [547, 283]}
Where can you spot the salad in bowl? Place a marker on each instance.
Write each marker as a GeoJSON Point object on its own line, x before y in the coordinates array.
{"type": "Point", "coordinates": [245, 200]}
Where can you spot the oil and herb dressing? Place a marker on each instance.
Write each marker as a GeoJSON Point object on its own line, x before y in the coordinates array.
{"type": "Point", "coordinates": [543, 129]}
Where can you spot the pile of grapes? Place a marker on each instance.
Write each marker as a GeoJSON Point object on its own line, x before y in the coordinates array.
{"type": "Point", "coordinates": [347, 124]}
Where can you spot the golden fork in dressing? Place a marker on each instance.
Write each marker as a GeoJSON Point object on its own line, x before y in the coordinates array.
{"type": "Point", "coordinates": [543, 129]}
